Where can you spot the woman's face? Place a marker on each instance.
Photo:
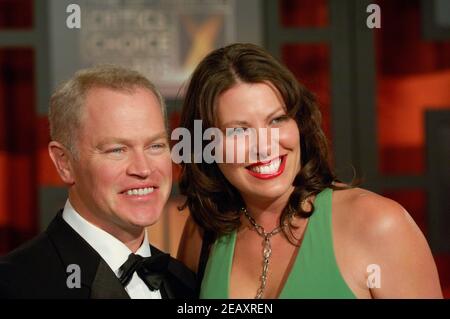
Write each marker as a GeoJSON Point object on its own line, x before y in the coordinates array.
{"type": "Point", "coordinates": [270, 164]}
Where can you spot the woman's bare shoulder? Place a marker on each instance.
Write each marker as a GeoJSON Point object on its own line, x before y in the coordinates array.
{"type": "Point", "coordinates": [385, 234]}
{"type": "Point", "coordinates": [370, 214]}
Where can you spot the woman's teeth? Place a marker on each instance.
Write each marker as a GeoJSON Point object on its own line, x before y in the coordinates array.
{"type": "Point", "coordinates": [140, 191]}
{"type": "Point", "coordinates": [269, 168]}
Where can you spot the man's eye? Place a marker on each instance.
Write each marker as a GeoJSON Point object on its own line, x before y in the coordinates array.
{"type": "Point", "coordinates": [158, 146]}
{"type": "Point", "coordinates": [116, 150]}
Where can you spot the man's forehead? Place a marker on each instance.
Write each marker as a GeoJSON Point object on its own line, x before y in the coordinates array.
{"type": "Point", "coordinates": [110, 102]}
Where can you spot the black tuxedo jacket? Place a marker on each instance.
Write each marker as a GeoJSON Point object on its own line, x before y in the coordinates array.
{"type": "Point", "coordinates": [39, 269]}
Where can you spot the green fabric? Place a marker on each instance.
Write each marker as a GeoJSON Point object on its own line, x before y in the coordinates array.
{"type": "Point", "coordinates": [315, 273]}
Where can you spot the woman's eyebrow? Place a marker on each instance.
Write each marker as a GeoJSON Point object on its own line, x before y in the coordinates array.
{"type": "Point", "coordinates": [280, 108]}
{"type": "Point", "coordinates": [245, 123]}
{"type": "Point", "coordinates": [236, 122]}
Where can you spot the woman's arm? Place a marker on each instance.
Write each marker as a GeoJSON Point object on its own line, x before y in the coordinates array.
{"type": "Point", "coordinates": [190, 245]}
{"type": "Point", "coordinates": [395, 244]}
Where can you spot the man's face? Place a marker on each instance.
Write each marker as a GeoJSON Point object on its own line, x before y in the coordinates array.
{"type": "Point", "coordinates": [123, 174]}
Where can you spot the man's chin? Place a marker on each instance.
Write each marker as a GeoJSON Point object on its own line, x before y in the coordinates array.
{"type": "Point", "coordinates": [145, 218]}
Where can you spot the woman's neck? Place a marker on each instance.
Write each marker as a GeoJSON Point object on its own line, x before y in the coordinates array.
{"type": "Point", "coordinates": [267, 212]}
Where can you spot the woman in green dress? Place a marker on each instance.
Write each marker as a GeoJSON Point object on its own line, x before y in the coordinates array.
{"type": "Point", "coordinates": [279, 224]}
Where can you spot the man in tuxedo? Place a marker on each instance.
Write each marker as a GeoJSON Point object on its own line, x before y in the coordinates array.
{"type": "Point", "coordinates": [110, 146]}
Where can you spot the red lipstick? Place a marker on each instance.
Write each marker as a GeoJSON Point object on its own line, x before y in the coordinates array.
{"type": "Point", "coordinates": [271, 175]}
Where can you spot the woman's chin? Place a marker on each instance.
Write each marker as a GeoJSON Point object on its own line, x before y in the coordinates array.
{"type": "Point", "coordinates": [268, 194]}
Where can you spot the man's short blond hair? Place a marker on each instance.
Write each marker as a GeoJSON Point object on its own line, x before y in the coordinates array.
{"type": "Point", "coordinates": [67, 101]}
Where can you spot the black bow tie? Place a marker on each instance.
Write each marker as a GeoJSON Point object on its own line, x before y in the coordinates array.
{"type": "Point", "coordinates": [150, 269]}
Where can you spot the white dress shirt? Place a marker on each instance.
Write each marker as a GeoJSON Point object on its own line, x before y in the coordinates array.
{"type": "Point", "coordinates": [112, 250]}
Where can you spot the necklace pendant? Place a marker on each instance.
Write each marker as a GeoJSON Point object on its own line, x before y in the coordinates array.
{"type": "Point", "coordinates": [267, 252]}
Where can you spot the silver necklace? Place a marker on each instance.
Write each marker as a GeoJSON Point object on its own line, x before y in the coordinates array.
{"type": "Point", "coordinates": [267, 250]}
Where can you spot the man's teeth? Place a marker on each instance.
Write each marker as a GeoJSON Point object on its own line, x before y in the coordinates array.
{"type": "Point", "coordinates": [140, 191]}
{"type": "Point", "coordinates": [269, 168]}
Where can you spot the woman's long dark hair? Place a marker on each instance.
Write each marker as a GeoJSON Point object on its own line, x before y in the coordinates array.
{"type": "Point", "coordinates": [214, 203]}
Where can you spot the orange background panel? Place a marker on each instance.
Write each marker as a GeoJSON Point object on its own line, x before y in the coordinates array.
{"type": "Point", "coordinates": [18, 192]}
{"type": "Point", "coordinates": [310, 64]}
{"type": "Point", "coordinates": [402, 102]}
{"type": "Point", "coordinates": [4, 216]}
{"type": "Point", "coordinates": [19, 21]}
{"type": "Point", "coordinates": [304, 13]}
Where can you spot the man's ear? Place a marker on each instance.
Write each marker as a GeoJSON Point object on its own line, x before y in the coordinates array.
{"type": "Point", "coordinates": [61, 159]}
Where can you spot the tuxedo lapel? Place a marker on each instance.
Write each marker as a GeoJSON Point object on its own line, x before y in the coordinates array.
{"type": "Point", "coordinates": [73, 249]}
{"type": "Point", "coordinates": [97, 279]}
{"type": "Point", "coordinates": [106, 285]}
{"type": "Point", "coordinates": [179, 282]}
{"type": "Point", "coordinates": [166, 290]}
